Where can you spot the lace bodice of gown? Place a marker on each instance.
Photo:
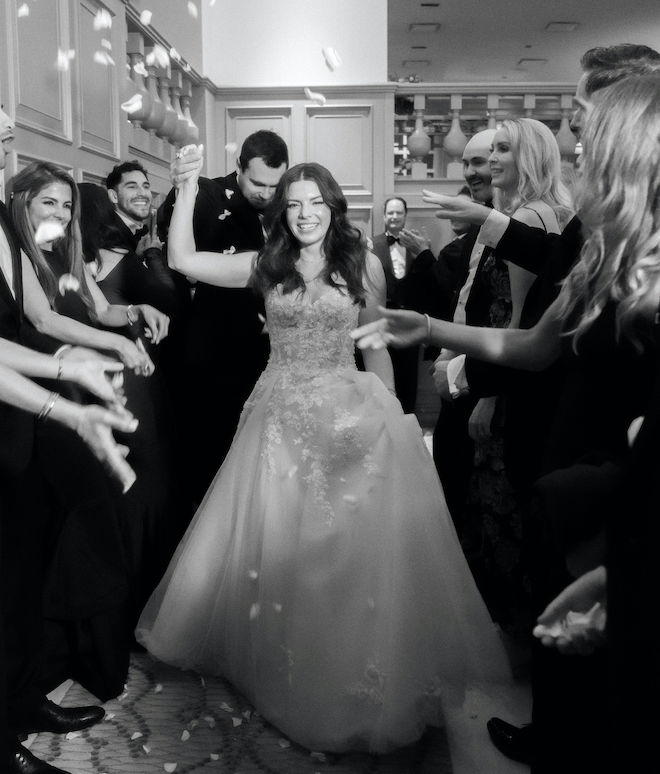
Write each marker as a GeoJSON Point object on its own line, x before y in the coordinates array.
{"type": "Point", "coordinates": [311, 337]}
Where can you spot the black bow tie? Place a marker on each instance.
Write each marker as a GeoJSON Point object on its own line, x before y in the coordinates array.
{"type": "Point", "coordinates": [391, 239]}
{"type": "Point", "coordinates": [140, 232]}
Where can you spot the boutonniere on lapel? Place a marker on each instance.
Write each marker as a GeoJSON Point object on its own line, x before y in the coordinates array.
{"type": "Point", "coordinates": [224, 215]}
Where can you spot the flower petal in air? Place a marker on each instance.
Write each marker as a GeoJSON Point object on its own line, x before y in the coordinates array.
{"type": "Point", "coordinates": [103, 58]}
{"type": "Point", "coordinates": [255, 609]}
{"type": "Point", "coordinates": [332, 58]}
{"type": "Point", "coordinates": [23, 10]}
{"type": "Point", "coordinates": [224, 215]}
{"type": "Point", "coordinates": [228, 192]}
{"type": "Point", "coordinates": [140, 69]}
{"type": "Point", "coordinates": [102, 20]}
{"type": "Point", "coordinates": [315, 96]}
{"type": "Point", "coordinates": [145, 17]}
{"type": "Point", "coordinates": [68, 282]}
{"type": "Point", "coordinates": [214, 757]}
{"type": "Point", "coordinates": [158, 688]}
{"type": "Point", "coordinates": [47, 231]}
{"type": "Point", "coordinates": [253, 574]}
{"type": "Point", "coordinates": [192, 9]}
{"type": "Point", "coordinates": [158, 56]}
{"type": "Point", "coordinates": [133, 104]}
{"type": "Point", "coordinates": [185, 735]}
{"type": "Point", "coordinates": [236, 722]}
{"type": "Point", "coordinates": [231, 147]}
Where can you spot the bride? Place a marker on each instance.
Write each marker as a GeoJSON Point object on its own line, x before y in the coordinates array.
{"type": "Point", "coordinates": [321, 574]}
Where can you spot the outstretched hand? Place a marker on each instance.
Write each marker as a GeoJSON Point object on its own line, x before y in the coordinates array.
{"type": "Point", "coordinates": [94, 424]}
{"type": "Point", "coordinates": [94, 375]}
{"type": "Point", "coordinates": [157, 324]}
{"type": "Point", "coordinates": [457, 207]}
{"type": "Point", "coordinates": [396, 328]}
{"type": "Point", "coordinates": [574, 622]}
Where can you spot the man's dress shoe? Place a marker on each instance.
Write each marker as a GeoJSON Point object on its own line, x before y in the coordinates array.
{"type": "Point", "coordinates": [48, 716]}
{"type": "Point", "coordinates": [21, 761]}
{"type": "Point", "coordinates": [513, 741]}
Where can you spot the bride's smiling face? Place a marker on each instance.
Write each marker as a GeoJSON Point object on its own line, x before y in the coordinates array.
{"type": "Point", "coordinates": [307, 215]}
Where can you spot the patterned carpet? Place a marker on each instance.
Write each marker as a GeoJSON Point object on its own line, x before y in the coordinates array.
{"type": "Point", "coordinates": [168, 720]}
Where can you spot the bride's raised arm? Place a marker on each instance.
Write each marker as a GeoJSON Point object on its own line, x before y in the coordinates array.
{"type": "Point", "coordinates": [228, 271]}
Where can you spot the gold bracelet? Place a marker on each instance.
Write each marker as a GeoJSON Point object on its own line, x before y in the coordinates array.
{"type": "Point", "coordinates": [428, 328]}
{"type": "Point", "coordinates": [48, 406]}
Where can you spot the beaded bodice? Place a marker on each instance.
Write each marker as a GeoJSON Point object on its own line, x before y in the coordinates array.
{"type": "Point", "coordinates": [311, 336]}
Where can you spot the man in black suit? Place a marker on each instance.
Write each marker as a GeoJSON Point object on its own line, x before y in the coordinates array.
{"type": "Point", "coordinates": [24, 518]}
{"type": "Point", "coordinates": [453, 449]}
{"type": "Point", "coordinates": [226, 346]}
{"type": "Point", "coordinates": [397, 259]}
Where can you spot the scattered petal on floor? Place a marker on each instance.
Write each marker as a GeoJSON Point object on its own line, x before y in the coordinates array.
{"type": "Point", "coordinates": [213, 746]}
{"type": "Point", "coordinates": [169, 767]}
{"type": "Point", "coordinates": [73, 735]}
{"type": "Point", "coordinates": [185, 735]}
{"type": "Point", "coordinates": [158, 688]}
{"type": "Point", "coordinates": [236, 722]}
{"type": "Point", "coordinates": [136, 735]}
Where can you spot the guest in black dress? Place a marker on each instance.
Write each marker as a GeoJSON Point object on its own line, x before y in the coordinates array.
{"type": "Point", "coordinates": [604, 326]}
{"type": "Point", "coordinates": [90, 599]}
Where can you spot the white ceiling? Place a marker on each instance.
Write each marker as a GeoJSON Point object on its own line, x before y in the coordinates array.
{"type": "Point", "coordinates": [483, 40]}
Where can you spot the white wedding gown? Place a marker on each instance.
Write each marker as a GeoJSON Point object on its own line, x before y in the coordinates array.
{"type": "Point", "coordinates": [322, 575]}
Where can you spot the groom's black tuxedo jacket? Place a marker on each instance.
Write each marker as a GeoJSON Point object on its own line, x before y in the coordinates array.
{"type": "Point", "coordinates": [228, 318]}
{"type": "Point", "coordinates": [16, 426]}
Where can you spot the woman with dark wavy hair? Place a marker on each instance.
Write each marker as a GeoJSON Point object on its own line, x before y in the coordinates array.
{"type": "Point", "coordinates": [321, 574]}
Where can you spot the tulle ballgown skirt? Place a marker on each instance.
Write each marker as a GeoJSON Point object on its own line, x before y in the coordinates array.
{"type": "Point", "coordinates": [322, 575]}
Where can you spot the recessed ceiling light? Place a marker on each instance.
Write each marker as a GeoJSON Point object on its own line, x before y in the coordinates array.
{"type": "Point", "coordinates": [561, 27]}
{"type": "Point", "coordinates": [423, 27]}
{"type": "Point", "coordinates": [531, 62]}
{"type": "Point", "coordinates": [416, 63]}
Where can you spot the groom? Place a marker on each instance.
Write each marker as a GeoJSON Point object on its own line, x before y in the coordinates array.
{"type": "Point", "coordinates": [226, 348]}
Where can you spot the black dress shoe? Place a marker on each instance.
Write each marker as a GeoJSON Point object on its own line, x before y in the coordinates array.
{"type": "Point", "coordinates": [21, 761]}
{"type": "Point", "coordinates": [48, 716]}
{"type": "Point", "coordinates": [514, 742]}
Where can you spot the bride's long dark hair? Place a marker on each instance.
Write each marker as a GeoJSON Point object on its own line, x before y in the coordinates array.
{"type": "Point", "coordinates": [343, 247]}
